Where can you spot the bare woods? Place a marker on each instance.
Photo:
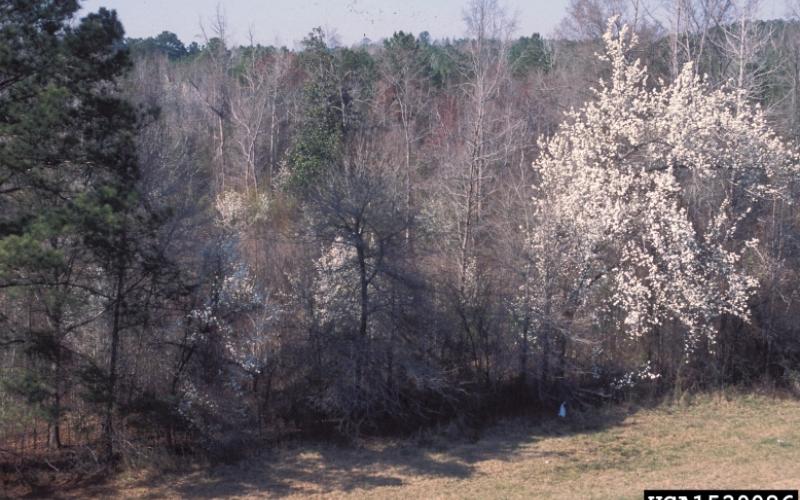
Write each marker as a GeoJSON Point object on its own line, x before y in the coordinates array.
{"type": "Point", "coordinates": [205, 246]}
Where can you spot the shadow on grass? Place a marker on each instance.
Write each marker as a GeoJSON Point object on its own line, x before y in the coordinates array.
{"type": "Point", "coordinates": [304, 468]}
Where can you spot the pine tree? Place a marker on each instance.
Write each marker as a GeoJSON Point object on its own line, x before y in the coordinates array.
{"type": "Point", "coordinates": [74, 230]}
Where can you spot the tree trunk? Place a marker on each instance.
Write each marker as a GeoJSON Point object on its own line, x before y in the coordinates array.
{"type": "Point", "coordinates": [362, 271]}
{"type": "Point", "coordinates": [54, 438]}
{"type": "Point", "coordinates": [361, 354]}
{"type": "Point", "coordinates": [108, 427]}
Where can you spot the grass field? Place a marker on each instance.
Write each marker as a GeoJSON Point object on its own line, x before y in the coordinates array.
{"type": "Point", "coordinates": [713, 442]}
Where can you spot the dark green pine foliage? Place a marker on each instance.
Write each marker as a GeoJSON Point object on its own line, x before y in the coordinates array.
{"type": "Point", "coordinates": [527, 54]}
{"type": "Point", "coordinates": [442, 60]}
{"type": "Point", "coordinates": [166, 43]}
{"type": "Point", "coordinates": [39, 138]}
{"type": "Point", "coordinates": [407, 58]}
{"type": "Point", "coordinates": [73, 228]}
{"type": "Point", "coordinates": [337, 90]}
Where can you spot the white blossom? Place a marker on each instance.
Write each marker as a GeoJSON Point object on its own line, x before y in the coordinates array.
{"type": "Point", "coordinates": [618, 198]}
{"type": "Point", "coordinates": [335, 276]}
{"type": "Point", "coordinates": [236, 210]}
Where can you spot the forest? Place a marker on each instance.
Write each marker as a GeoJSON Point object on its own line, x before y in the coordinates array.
{"type": "Point", "coordinates": [207, 246]}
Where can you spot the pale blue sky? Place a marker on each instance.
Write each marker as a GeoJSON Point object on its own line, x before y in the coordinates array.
{"type": "Point", "coordinates": [288, 21]}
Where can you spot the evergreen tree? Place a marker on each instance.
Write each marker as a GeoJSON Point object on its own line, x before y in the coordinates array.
{"type": "Point", "coordinates": [73, 228]}
{"type": "Point", "coordinates": [339, 85]}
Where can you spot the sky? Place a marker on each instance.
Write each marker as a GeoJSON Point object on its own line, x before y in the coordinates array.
{"type": "Point", "coordinates": [286, 22]}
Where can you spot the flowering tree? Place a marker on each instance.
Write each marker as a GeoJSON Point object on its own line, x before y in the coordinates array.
{"type": "Point", "coordinates": [641, 193]}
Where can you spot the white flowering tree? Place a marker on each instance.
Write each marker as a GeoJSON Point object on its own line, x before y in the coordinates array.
{"type": "Point", "coordinates": [229, 335]}
{"type": "Point", "coordinates": [229, 347]}
{"type": "Point", "coordinates": [640, 195]}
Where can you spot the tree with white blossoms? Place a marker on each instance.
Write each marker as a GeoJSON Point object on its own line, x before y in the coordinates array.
{"type": "Point", "coordinates": [641, 192]}
{"type": "Point", "coordinates": [335, 294]}
{"type": "Point", "coordinates": [236, 321]}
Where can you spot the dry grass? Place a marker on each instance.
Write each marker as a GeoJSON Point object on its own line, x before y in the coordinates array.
{"type": "Point", "coordinates": [745, 442]}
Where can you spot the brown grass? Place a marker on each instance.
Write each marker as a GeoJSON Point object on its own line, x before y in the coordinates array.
{"type": "Point", "coordinates": [714, 442]}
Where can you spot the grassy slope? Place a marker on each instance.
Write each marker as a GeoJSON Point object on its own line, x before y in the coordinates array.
{"type": "Point", "coordinates": [746, 442]}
